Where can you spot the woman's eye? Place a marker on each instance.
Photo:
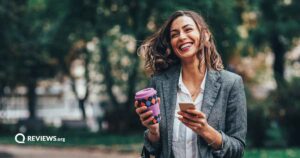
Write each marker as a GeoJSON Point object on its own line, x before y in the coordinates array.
{"type": "Point", "coordinates": [174, 35]}
{"type": "Point", "coordinates": [188, 29]}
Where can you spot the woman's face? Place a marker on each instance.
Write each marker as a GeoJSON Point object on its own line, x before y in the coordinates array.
{"type": "Point", "coordinates": [185, 37]}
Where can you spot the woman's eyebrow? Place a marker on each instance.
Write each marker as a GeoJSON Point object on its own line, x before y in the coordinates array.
{"type": "Point", "coordinates": [174, 30]}
{"type": "Point", "coordinates": [187, 25]}
{"type": "Point", "coordinates": [182, 27]}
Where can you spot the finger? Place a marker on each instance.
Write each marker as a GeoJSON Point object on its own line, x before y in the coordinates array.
{"type": "Point", "coordinates": [141, 110]}
{"type": "Point", "coordinates": [147, 121]}
{"type": "Point", "coordinates": [179, 116]}
{"type": "Point", "coordinates": [191, 117]}
{"type": "Point", "coordinates": [196, 112]}
{"type": "Point", "coordinates": [145, 115]}
{"type": "Point", "coordinates": [190, 122]}
{"type": "Point", "coordinates": [194, 128]}
{"type": "Point", "coordinates": [199, 122]}
{"type": "Point", "coordinates": [136, 104]}
{"type": "Point", "coordinates": [180, 112]}
{"type": "Point", "coordinates": [183, 113]}
{"type": "Point", "coordinates": [187, 122]}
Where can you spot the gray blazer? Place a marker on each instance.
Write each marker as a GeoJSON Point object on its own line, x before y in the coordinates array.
{"type": "Point", "coordinates": [224, 104]}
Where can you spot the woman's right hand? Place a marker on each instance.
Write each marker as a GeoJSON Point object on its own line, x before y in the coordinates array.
{"type": "Point", "coordinates": [146, 117]}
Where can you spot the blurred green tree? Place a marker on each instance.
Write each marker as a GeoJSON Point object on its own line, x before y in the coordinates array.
{"type": "Point", "coordinates": [39, 38]}
{"type": "Point", "coordinates": [26, 30]}
{"type": "Point", "coordinates": [121, 26]}
{"type": "Point", "coordinates": [277, 26]}
{"type": "Point", "coordinates": [76, 28]}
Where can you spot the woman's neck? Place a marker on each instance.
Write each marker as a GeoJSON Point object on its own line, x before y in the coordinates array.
{"type": "Point", "coordinates": [192, 69]}
{"type": "Point", "coordinates": [192, 77]}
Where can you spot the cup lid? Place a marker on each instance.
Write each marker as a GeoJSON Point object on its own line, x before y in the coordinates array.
{"type": "Point", "coordinates": [145, 93]}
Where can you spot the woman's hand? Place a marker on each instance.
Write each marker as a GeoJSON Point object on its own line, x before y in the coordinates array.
{"type": "Point", "coordinates": [197, 121]}
{"type": "Point", "coordinates": [146, 117]}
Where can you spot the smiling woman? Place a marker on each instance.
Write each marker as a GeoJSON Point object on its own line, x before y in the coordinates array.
{"type": "Point", "coordinates": [185, 38]}
{"type": "Point", "coordinates": [161, 54]}
{"type": "Point", "coordinates": [188, 69]}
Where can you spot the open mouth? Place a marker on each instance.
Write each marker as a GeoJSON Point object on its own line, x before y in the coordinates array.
{"type": "Point", "coordinates": [186, 46]}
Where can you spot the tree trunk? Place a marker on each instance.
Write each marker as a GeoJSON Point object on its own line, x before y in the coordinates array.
{"type": "Point", "coordinates": [109, 81]}
{"type": "Point", "coordinates": [31, 96]}
{"type": "Point", "coordinates": [278, 66]}
{"type": "Point", "coordinates": [81, 101]}
{"type": "Point", "coordinates": [1, 97]}
{"type": "Point", "coordinates": [82, 108]}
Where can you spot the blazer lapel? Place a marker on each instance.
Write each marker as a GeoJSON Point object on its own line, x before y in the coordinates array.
{"type": "Point", "coordinates": [212, 86]}
{"type": "Point", "coordinates": [169, 99]}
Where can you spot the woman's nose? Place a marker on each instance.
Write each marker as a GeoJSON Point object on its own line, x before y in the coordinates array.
{"type": "Point", "coordinates": [182, 36]}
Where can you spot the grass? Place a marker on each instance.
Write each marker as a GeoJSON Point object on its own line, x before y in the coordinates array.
{"type": "Point", "coordinates": [273, 153]}
{"type": "Point", "coordinates": [81, 140]}
{"type": "Point", "coordinates": [129, 143]}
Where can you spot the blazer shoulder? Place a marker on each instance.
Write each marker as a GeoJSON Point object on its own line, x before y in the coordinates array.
{"type": "Point", "coordinates": [157, 76]}
{"type": "Point", "coordinates": [229, 77]}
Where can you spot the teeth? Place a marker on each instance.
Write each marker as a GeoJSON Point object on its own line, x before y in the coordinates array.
{"type": "Point", "coordinates": [185, 46]}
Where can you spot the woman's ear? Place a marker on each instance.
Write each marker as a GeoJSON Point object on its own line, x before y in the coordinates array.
{"type": "Point", "coordinates": [207, 36]}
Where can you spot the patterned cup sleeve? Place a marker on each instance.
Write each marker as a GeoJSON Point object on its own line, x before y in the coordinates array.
{"type": "Point", "coordinates": [155, 120]}
{"type": "Point", "coordinates": [149, 101]}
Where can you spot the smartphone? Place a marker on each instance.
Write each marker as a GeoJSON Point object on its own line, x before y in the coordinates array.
{"type": "Point", "coordinates": [185, 106]}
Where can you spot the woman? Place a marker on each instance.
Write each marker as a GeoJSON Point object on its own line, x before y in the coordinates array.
{"type": "Point", "coordinates": [187, 68]}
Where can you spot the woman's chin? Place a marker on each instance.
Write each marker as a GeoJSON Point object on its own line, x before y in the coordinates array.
{"type": "Point", "coordinates": [186, 55]}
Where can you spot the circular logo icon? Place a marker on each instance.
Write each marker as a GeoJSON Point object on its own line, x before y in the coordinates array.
{"type": "Point", "coordinates": [20, 138]}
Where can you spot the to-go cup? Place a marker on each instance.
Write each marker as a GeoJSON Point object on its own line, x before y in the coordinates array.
{"type": "Point", "coordinates": [148, 97]}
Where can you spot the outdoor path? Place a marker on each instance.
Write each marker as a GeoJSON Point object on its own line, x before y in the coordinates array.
{"type": "Point", "coordinates": [17, 151]}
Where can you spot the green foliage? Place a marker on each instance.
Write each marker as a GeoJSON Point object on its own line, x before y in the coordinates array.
{"type": "Point", "coordinates": [26, 28]}
{"type": "Point", "coordinates": [263, 127]}
{"type": "Point", "coordinates": [257, 125]}
{"type": "Point", "coordinates": [37, 37]}
{"type": "Point", "coordinates": [273, 122]}
{"type": "Point", "coordinates": [276, 17]}
{"type": "Point", "coordinates": [288, 107]}
{"type": "Point", "coordinates": [272, 153]}
{"type": "Point", "coordinates": [276, 26]}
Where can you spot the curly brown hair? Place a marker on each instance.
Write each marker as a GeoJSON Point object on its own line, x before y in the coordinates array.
{"type": "Point", "coordinates": [158, 52]}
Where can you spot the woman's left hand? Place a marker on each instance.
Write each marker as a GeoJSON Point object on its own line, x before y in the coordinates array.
{"type": "Point", "coordinates": [195, 120]}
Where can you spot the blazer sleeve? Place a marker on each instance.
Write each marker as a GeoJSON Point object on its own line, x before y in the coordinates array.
{"type": "Point", "coordinates": [152, 148]}
{"type": "Point", "coordinates": [235, 123]}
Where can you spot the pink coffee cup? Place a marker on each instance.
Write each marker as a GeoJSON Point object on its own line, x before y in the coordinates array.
{"type": "Point", "coordinates": [148, 97]}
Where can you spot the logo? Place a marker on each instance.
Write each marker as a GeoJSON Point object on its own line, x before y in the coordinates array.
{"type": "Point", "coordinates": [20, 138]}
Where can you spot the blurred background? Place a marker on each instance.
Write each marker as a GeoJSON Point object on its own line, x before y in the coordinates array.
{"type": "Point", "coordinates": [69, 68]}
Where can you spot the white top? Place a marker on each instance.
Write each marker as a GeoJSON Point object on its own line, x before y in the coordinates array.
{"type": "Point", "coordinates": [185, 145]}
